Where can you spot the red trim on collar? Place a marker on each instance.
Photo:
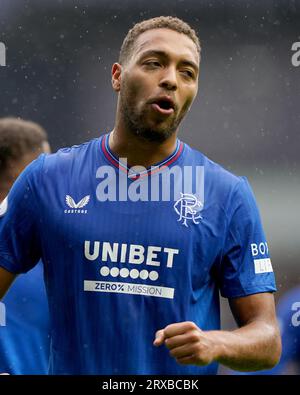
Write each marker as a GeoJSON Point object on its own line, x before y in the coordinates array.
{"type": "Point", "coordinates": [120, 166]}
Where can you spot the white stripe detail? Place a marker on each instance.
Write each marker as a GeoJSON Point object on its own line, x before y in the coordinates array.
{"type": "Point", "coordinates": [3, 206]}
{"type": "Point", "coordinates": [263, 266]}
{"type": "Point", "coordinates": [129, 288]}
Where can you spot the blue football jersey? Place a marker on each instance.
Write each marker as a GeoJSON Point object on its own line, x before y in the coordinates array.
{"type": "Point", "coordinates": [25, 339]}
{"type": "Point", "coordinates": [128, 251]}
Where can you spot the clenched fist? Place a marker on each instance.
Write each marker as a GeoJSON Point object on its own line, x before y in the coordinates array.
{"type": "Point", "coordinates": [188, 344]}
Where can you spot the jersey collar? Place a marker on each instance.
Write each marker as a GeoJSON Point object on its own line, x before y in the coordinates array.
{"type": "Point", "coordinates": [132, 174]}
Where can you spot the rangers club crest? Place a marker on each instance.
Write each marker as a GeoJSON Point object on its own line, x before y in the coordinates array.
{"type": "Point", "coordinates": [188, 208]}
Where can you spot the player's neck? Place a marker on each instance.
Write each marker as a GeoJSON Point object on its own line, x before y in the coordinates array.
{"type": "Point", "coordinates": [139, 152]}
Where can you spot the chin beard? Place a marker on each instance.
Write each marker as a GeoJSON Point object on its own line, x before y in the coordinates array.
{"type": "Point", "coordinates": [158, 136]}
{"type": "Point", "coordinates": [134, 124]}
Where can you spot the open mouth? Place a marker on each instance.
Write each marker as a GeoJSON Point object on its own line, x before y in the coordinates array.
{"type": "Point", "coordinates": [163, 106]}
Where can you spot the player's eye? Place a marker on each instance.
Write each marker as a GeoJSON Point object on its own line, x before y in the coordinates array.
{"type": "Point", "coordinates": [188, 73]}
{"type": "Point", "coordinates": [152, 63]}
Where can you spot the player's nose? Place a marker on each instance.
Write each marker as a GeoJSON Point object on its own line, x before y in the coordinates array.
{"type": "Point", "coordinates": [169, 79]}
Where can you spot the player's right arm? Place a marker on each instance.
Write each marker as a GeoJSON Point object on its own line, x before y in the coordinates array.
{"type": "Point", "coordinates": [20, 227]}
{"type": "Point", "coordinates": [6, 279]}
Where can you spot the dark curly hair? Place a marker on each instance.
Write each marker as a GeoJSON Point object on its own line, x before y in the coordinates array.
{"type": "Point", "coordinates": [17, 138]}
{"type": "Point", "coordinates": [160, 22]}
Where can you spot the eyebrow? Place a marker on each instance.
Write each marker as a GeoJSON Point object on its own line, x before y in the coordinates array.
{"type": "Point", "coordinates": [163, 54]}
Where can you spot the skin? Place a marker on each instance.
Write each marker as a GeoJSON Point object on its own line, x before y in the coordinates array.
{"type": "Point", "coordinates": [145, 137]}
{"type": "Point", "coordinates": [163, 62]}
{"type": "Point", "coordinates": [255, 345]}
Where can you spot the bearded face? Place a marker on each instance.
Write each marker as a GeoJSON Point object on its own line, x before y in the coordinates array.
{"type": "Point", "coordinates": [158, 84]}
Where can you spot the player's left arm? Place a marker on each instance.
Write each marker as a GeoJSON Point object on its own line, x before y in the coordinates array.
{"type": "Point", "coordinates": [255, 345]}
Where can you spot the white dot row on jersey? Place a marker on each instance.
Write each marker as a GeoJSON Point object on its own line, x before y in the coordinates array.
{"type": "Point", "coordinates": [124, 273]}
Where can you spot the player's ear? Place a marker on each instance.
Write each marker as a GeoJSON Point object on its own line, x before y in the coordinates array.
{"type": "Point", "coordinates": [116, 72]}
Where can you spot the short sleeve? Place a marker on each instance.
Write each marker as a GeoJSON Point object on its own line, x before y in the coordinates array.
{"type": "Point", "coordinates": [19, 218]}
{"type": "Point", "coordinates": [245, 266]}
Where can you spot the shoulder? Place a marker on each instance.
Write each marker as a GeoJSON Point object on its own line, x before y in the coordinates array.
{"type": "Point", "coordinates": [67, 163]}
{"type": "Point", "coordinates": [222, 187]}
{"type": "Point", "coordinates": [215, 174]}
{"type": "Point", "coordinates": [66, 156]}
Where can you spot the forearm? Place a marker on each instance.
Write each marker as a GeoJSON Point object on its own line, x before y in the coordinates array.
{"type": "Point", "coordinates": [255, 346]}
